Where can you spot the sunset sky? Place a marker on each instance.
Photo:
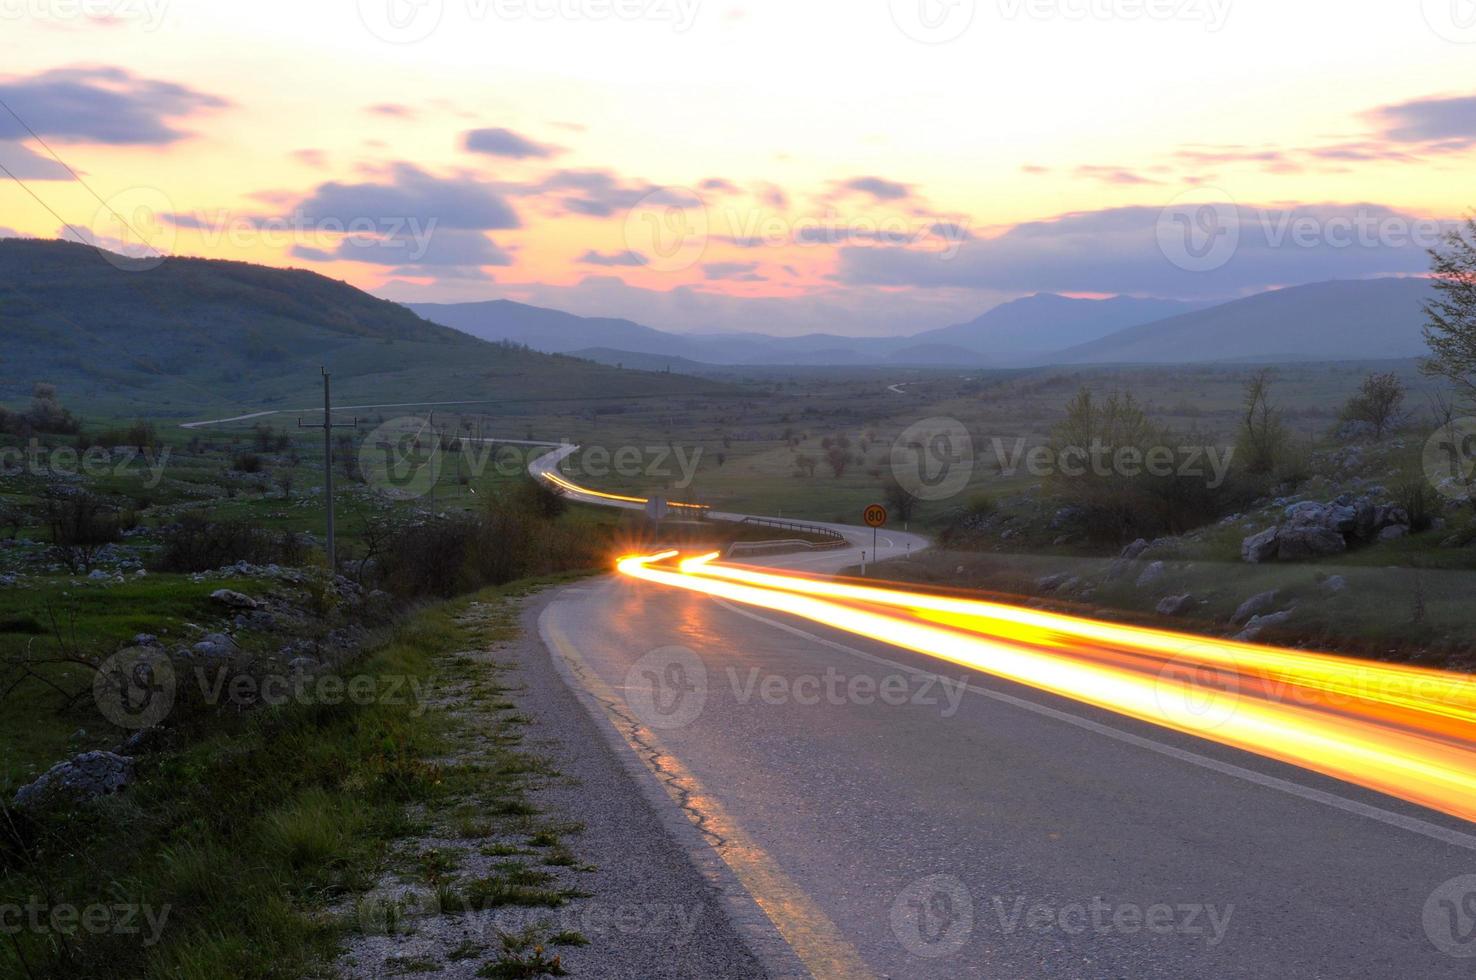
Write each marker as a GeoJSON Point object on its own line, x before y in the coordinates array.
{"type": "Point", "coordinates": [855, 167]}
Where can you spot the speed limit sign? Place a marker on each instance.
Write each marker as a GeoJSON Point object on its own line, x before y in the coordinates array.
{"type": "Point", "coordinates": [875, 516]}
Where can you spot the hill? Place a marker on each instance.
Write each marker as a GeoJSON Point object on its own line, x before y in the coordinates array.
{"type": "Point", "coordinates": [1038, 325]}
{"type": "Point", "coordinates": [1343, 320]}
{"type": "Point", "coordinates": [195, 335]}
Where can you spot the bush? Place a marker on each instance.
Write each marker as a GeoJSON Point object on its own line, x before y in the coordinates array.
{"type": "Point", "coordinates": [198, 543]}
{"type": "Point", "coordinates": [1378, 402]}
{"type": "Point", "coordinates": [1420, 502]}
{"type": "Point", "coordinates": [508, 540]}
{"type": "Point", "coordinates": [1115, 503]}
{"type": "Point", "coordinates": [247, 463]}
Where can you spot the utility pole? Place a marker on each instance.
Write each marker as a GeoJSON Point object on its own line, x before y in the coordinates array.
{"type": "Point", "coordinates": [328, 428]}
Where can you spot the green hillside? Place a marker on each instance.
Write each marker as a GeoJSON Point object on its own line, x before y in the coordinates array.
{"type": "Point", "coordinates": [189, 337]}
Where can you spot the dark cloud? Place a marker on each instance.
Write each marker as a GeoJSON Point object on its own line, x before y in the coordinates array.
{"type": "Point", "coordinates": [734, 271]}
{"type": "Point", "coordinates": [506, 143]}
{"type": "Point", "coordinates": [719, 185]}
{"type": "Point", "coordinates": [601, 193]}
{"type": "Point", "coordinates": [1447, 123]}
{"type": "Point", "coordinates": [592, 257]}
{"type": "Point", "coordinates": [102, 105]}
{"type": "Point", "coordinates": [1127, 250]}
{"type": "Point", "coordinates": [411, 193]}
{"type": "Point", "coordinates": [879, 188]}
{"type": "Point", "coordinates": [26, 164]}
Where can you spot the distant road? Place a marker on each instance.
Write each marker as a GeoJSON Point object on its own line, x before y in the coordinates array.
{"type": "Point", "coordinates": [350, 408]}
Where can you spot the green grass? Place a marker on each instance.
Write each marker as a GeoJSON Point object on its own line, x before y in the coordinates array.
{"type": "Point", "coordinates": [248, 834]}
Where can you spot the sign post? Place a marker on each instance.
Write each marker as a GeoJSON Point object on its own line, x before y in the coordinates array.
{"type": "Point", "coordinates": [875, 517]}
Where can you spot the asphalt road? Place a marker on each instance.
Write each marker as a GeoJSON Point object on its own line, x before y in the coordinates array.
{"type": "Point", "coordinates": [899, 819]}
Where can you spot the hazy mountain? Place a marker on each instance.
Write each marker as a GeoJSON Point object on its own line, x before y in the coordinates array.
{"type": "Point", "coordinates": [1341, 320]}
{"type": "Point", "coordinates": [551, 331]}
{"type": "Point", "coordinates": [1045, 322]}
{"type": "Point", "coordinates": [192, 335]}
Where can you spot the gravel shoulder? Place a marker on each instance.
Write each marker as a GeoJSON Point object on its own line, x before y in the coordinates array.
{"type": "Point", "coordinates": [614, 890]}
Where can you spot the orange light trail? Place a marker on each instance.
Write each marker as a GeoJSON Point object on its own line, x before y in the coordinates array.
{"type": "Point", "coordinates": [1409, 732]}
{"type": "Point", "coordinates": [572, 487]}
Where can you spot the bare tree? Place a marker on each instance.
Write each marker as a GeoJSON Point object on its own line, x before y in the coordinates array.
{"type": "Point", "coordinates": [1263, 435]}
{"type": "Point", "coordinates": [1451, 327]}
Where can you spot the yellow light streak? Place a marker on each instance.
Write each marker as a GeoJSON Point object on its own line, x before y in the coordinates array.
{"type": "Point", "coordinates": [1404, 731]}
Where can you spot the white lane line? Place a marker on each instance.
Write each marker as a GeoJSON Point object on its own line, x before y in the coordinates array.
{"type": "Point", "coordinates": [1413, 824]}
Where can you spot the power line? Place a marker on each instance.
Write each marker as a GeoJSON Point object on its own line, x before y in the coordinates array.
{"type": "Point", "coordinates": [37, 198]}
{"type": "Point", "coordinates": [76, 176]}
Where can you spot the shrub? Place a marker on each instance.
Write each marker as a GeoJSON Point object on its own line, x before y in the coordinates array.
{"type": "Point", "coordinates": [198, 543]}
{"type": "Point", "coordinates": [247, 463]}
{"type": "Point", "coordinates": [1378, 402]}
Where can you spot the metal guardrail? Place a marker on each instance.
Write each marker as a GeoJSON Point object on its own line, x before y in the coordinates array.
{"type": "Point", "coordinates": [781, 545]}
{"type": "Point", "coordinates": [815, 529]}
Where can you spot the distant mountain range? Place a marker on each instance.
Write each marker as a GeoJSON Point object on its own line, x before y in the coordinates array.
{"type": "Point", "coordinates": [190, 336]}
{"type": "Point", "coordinates": [1342, 320]}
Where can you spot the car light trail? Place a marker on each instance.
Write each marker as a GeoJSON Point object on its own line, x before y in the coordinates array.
{"type": "Point", "coordinates": [1407, 732]}
{"type": "Point", "coordinates": [575, 488]}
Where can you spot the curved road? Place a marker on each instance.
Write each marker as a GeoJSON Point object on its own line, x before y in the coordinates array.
{"type": "Point", "coordinates": [892, 819]}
